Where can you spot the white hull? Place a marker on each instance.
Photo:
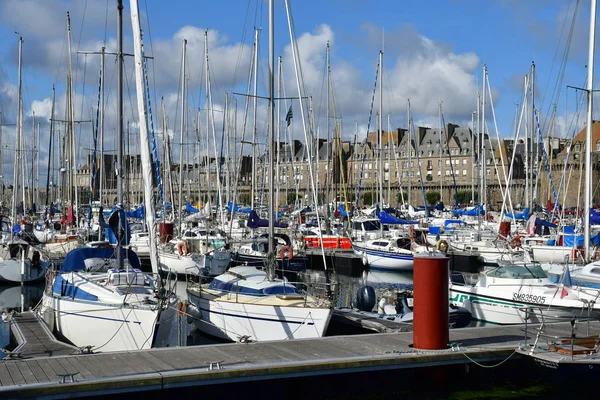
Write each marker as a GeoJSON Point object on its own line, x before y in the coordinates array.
{"type": "Point", "coordinates": [60, 250]}
{"type": "Point", "coordinates": [552, 254]}
{"type": "Point", "coordinates": [505, 305]}
{"type": "Point", "coordinates": [193, 264]}
{"type": "Point", "coordinates": [391, 261]}
{"type": "Point", "coordinates": [257, 322]}
{"type": "Point", "coordinates": [10, 271]}
{"type": "Point", "coordinates": [110, 327]}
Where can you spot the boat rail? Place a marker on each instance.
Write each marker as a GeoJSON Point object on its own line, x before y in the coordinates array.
{"type": "Point", "coordinates": [568, 345]}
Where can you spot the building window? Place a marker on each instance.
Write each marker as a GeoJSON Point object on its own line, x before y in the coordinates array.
{"type": "Point", "coordinates": [464, 172]}
{"type": "Point", "coordinates": [429, 164]}
{"type": "Point", "coordinates": [598, 145]}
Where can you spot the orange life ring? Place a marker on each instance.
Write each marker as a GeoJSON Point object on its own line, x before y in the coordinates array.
{"type": "Point", "coordinates": [182, 249]}
{"type": "Point", "coordinates": [286, 252]}
{"type": "Point", "coordinates": [515, 242]}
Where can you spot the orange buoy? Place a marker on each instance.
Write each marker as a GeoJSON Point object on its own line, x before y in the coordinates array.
{"type": "Point", "coordinates": [286, 252]}
{"type": "Point", "coordinates": [430, 311]}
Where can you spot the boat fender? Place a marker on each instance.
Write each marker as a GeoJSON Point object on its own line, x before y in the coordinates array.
{"type": "Point", "coordinates": [182, 249]}
{"type": "Point", "coordinates": [286, 252]}
{"type": "Point", "coordinates": [442, 246]}
{"type": "Point", "coordinates": [365, 260]}
{"type": "Point", "coordinates": [515, 242]}
{"type": "Point", "coordinates": [366, 298]}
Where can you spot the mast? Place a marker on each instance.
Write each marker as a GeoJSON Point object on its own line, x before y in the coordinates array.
{"type": "Point", "coordinates": [71, 111]}
{"type": "Point", "coordinates": [482, 152]}
{"type": "Point", "coordinates": [2, 166]}
{"type": "Point", "coordinates": [19, 132]}
{"type": "Point", "coordinates": [380, 136]}
{"type": "Point", "coordinates": [277, 179]}
{"type": "Point", "coordinates": [180, 200]}
{"type": "Point", "coordinates": [328, 170]}
{"type": "Point", "coordinates": [120, 133]}
{"type": "Point", "coordinates": [254, 98]}
{"type": "Point", "coordinates": [31, 194]}
{"type": "Point", "coordinates": [588, 133]}
{"type": "Point", "coordinates": [101, 177]}
{"type": "Point", "coordinates": [441, 152]}
{"type": "Point", "coordinates": [271, 255]}
{"type": "Point", "coordinates": [472, 154]}
{"type": "Point", "coordinates": [409, 144]}
{"type": "Point", "coordinates": [532, 135]}
{"type": "Point", "coordinates": [144, 139]}
{"type": "Point", "coordinates": [389, 188]}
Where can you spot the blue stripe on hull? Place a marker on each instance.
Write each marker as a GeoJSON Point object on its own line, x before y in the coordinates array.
{"type": "Point", "coordinates": [256, 318]}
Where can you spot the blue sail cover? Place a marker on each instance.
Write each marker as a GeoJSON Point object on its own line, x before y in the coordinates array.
{"type": "Point", "coordinates": [137, 213]}
{"type": "Point", "coordinates": [475, 211]}
{"type": "Point", "coordinates": [524, 216]}
{"type": "Point", "coordinates": [74, 261]}
{"type": "Point", "coordinates": [594, 217]}
{"type": "Point", "coordinates": [386, 218]}
{"type": "Point", "coordinates": [237, 208]}
{"type": "Point", "coordinates": [255, 222]}
{"type": "Point", "coordinates": [343, 211]}
{"type": "Point", "coordinates": [190, 209]}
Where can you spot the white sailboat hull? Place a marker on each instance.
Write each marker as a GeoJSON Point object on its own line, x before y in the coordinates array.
{"type": "Point", "coordinates": [110, 327]}
{"type": "Point", "coordinates": [254, 322]}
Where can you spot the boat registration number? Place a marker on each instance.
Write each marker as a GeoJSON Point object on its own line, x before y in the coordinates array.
{"type": "Point", "coordinates": [529, 298]}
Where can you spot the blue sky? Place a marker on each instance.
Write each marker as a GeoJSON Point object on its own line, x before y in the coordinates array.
{"type": "Point", "coordinates": [434, 53]}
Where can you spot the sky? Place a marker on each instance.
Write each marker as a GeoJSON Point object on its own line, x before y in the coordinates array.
{"type": "Point", "coordinates": [433, 54]}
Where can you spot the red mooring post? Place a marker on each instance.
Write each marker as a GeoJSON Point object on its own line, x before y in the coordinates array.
{"type": "Point", "coordinates": [430, 322]}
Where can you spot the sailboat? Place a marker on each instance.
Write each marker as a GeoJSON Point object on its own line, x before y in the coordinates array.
{"type": "Point", "coordinates": [247, 304]}
{"type": "Point", "coordinates": [19, 260]}
{"type": "Point", "coordinates": [100, 300]}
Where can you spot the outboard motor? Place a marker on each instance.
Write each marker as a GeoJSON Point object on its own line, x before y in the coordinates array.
{"type": "Point", "coordinates": [402, 306]}
{"type": "Point", "coordinates": [366, 298]}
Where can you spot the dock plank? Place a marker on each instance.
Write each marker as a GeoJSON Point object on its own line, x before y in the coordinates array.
{"type": "Point", "coordinates": [44, 364]}
{"type": "Point", "coordinates": [39, 373]}
{"type": "Point", "coordinates": [5, 378]}
{"type": "Point", "coordinates": [15, 374]}
{"type": "Point", "coordinates": [79, 366]}
{"type": "Point", "coordinates": [26, 372]}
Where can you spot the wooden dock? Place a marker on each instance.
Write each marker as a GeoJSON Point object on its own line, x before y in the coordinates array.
{"type": "Point", "coordinates": [236, 363]}
{"type": "Point", "coordinates": [371, 322]}
{"type": "Point", "coordinates": [34, 339]}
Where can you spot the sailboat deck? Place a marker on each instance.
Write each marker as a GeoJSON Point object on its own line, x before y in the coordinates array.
{"type": "Point", "coordinates": [169, 368]}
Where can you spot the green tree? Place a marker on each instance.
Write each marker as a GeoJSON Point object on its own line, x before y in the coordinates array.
{"type": "Point", "coordinates": [291, 197]}
{"type": "Point", "coordinates": [433, 197]}
{"type": "Point", "coordinates": [399, 197]}
{"type": "Point", "coordinates": [464, 196]}
{"type": "Point", "coordinates": [244, 198]}
{"type": "Point", "coordinates": [367, 198]}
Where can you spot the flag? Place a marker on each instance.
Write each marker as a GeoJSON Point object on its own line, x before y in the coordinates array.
{"type": "Point", "coordinates": [567, 277]}
{"type": "Point", "coordinates": [288, 116]}
{"type": "Point", "coordinates": [564, 293]}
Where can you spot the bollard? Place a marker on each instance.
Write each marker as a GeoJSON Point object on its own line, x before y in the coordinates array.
{"type": "Point", "coordinates": [431, 304]}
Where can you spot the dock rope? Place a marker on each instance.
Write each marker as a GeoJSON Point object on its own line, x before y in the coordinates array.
{"type": "Point", "coordinates": [456, 348]}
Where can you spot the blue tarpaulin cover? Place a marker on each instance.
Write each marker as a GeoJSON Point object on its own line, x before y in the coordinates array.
{"type": "Point", "coordinates": [254, 222]}
{"type": "Point", "coordinates": [74, 261]}
{"type": "Point", "coordinates": [386, 218]}
{"type": "Point", "coordinates": [470, 213]}
{"type": "Point", "coordinates": [522, 216]}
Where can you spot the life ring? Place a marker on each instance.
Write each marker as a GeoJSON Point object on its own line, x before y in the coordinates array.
{"type": "Point", "coordinates": [442, 246]}
{"type": "Point", "coordinates": [286, 252]}
{"type": "Point", "coordinates": [515, 242]}
{"type": "Point", "coordinates": [182, 249]}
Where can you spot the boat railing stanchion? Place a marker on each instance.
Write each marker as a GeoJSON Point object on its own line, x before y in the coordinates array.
{"type": "Point", "coordinates": [572, 337]}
